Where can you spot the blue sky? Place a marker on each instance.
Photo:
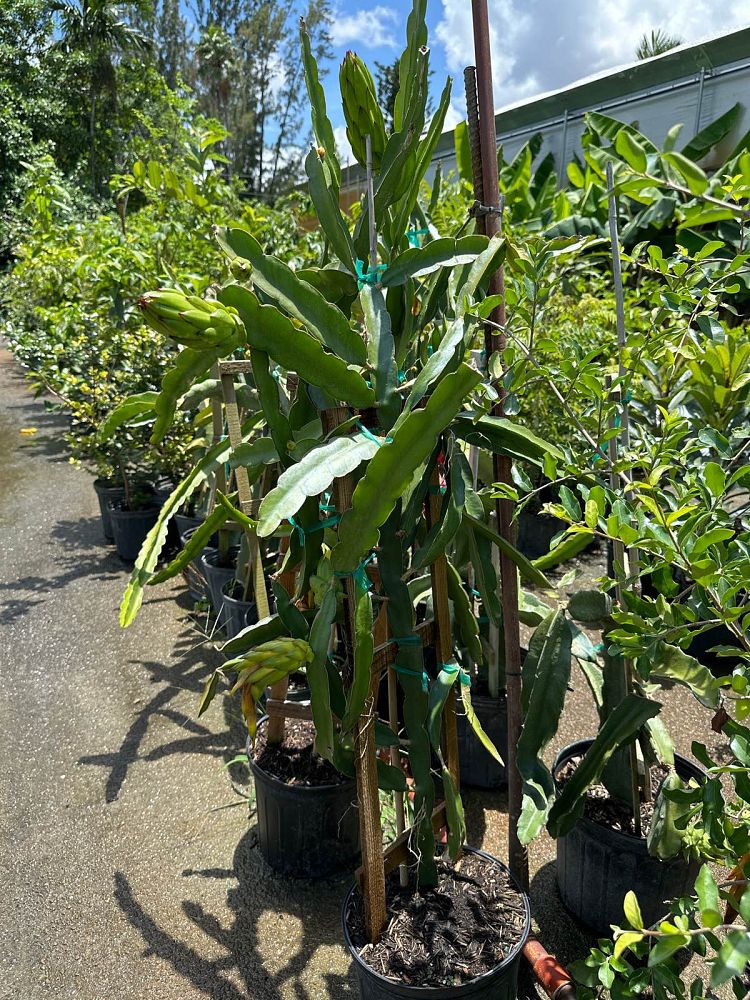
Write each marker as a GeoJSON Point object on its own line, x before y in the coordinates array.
{"type": "Point", "coordinates": [545, 43]}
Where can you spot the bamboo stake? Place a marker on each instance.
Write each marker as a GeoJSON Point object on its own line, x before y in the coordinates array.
{"type": "Point", "coordinates": [620, 555]}
{"type": "Point", "coordinates": [444, 644]}
{"type": "Point", "coordinates": [495, 342]}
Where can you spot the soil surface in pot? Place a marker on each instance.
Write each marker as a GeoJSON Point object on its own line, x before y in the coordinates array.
{"type": "Point", "coordinates": [448, 935]}
{"type": "Point", "coordinates": [294, 761]}
{"type": "Point", "coordinates": [601, 808]}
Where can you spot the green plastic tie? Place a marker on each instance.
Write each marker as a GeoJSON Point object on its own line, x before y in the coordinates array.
{"type": "Point", "coordinates": [453, 668]}
{"type": "Point", "coordinates": [413, 236]}
{"type": "Point", "coordinates": [329, 522]}
{"type": "Point", "coordinates": [408, 672]}
{"type": "Point", "coordinates": [368, 434]}
{"type": "Point", "coordinates": [371, 277]}
{"type": "Point", "coordinates": [437, 490]}
{"type": "Point", "coordinates": [359, 574]}
{"type": "Point", "coordinates": [408, 640]}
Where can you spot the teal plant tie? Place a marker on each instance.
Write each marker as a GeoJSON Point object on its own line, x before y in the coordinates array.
{"type": "Point", "coordinates": [368, 434]}
{"type": "Point", "coordinates": [483, 620]}
{"type": "Point", "coordinates": [437, 490]}
{"type": "Point", "coordinates": [359, 574]}
{"type": "Point", "coordinates": [407, 640]}
{"type": "Point", "coordinates": [429, 350]}
{"type": "Point", "coordinates": [600, 647]}
{"type": "Point", "coordinates": [599, 454]}
{"type": "Point", "coordinates": [329, 522]}
{"type": "Point", "coordinates": [401, 377]}
{"type": "Point", "coordinates": [453, 668]}
{"type": "Point", "coordinates": [413, 235]}
{"type": "Point", "coordinates": [408, 672]}
{"type": "Point", "coordinates": [371, 277]}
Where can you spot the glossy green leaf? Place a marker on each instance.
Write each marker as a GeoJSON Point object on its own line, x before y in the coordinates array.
{"type": "Point", "coordinates": [633, 910]}
{"type": "Point", "coordinates": [567, 549]}
{"type": "Point", "coordinates": [189, 366]}
{"type": "Point", "coordinates": [391, 469]}
{"type": "Point", "coordinates": [617, 731]}
{"type": "Point", "coordinates": [437, 363]}
{"type": "Point", "coordinates": [672, 662]}
{"type": "Point", "coordinates": [152, 546]}
{"type": "Point", "coordinates": [324, 198]}
{"type": "Point", "coordinates": [324, 321]}
{"type": "Point", "coordinates": [528, 570]}
{"type": "Point", "coordinates": [418, 262]}
{"type": "Point", "coordinates": [272, 332]}
{"type": "Point", "coordinates": [195, 545]}
{"type": "Point", "coordinates": [322, 128]}
{"type": "Point", "coordinates": [504, 437]}
{"type": "Point", "coordinates": [312, 475]}
{"type": "Point", "coordinates": [381, 355]}
{"type": "Point", "coordinates": [317, 675]}
{"type": "Point", "coordinates": [137, 408]}
{"type": "Point", "coordinates": [546, 672]}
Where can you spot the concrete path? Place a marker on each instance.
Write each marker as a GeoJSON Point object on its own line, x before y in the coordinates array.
{"type": "Point", "coordinates": [125, 870]}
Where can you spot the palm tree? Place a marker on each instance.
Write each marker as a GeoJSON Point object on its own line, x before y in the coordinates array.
{"type": "Point", "coordinates": [98, 30]}
{"type": "Point", "coordinates": [656, 44]}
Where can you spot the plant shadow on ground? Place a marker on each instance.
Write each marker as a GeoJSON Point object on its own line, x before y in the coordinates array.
{"type": "Point", "coordinates": [82, 558]}
{"type": "Point", "coordinates": [194, 659]}
{"type": "Point", "coordinates": [277, 927]}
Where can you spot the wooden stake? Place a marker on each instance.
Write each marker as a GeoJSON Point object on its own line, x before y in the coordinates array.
{"type": "Point", "coordinates": [365, 761]}
{"type": "Point", "coordinates": [490, 221]}
{"type": "Point", "coordinates": [444, 643]}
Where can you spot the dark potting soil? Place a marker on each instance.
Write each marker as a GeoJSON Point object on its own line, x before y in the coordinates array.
{"type": "Point", "coordinates": [448, 935]}
{"type": "Point", "coordinates": [600, 807]}
{"type": "Point", "coordinates": [294, 761]}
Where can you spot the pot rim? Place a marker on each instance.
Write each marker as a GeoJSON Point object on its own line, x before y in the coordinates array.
{"type": "Point", "coordinates": [234, 600]}
{"type": "Point", "coordinates": [119, 512]}
{"type": "Point", "coordinates": [428, 991]}
{"type": "Point", "coordinates": [303, 789]}
{"type": "Point", "coordinates": [208, 552]}
{"type": "Point", "coordinates": [578, 746]}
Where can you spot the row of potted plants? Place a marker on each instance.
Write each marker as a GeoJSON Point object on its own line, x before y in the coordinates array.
{"type": "Point", "coordinates": [369, 460]}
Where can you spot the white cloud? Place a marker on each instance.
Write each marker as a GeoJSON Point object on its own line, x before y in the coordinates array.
{"type": "Point", "coordinates": [343, 147]}
{"type": "Point", "coordinates": [372, 28]}
{"type": "Point", "coordinates": [539, 45]}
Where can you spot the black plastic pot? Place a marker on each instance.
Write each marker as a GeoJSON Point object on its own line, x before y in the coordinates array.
{"type": "Point", "coordinates": [106, 492]}
{"type": "Point", "coordinates": [499, 984]}
{"type": "Point", "coordinates": [305, 831]}
{"type": "Point", "coordinates": [216, 576]}
{"type": "Point", "coordinates": [479, 769]}
{"type": "Point", "coordinates": [535, 533]}
{"type": "Point", "coordinates": [130, 528]}
{"type": "Point", "coordinates": [236, 614]}
{"type": "Point", "coordinates": [596, 866]}
{"type": "Point", "coordinates": [193, 573]}
{"type": "Point", "coordinates": [185, 522]}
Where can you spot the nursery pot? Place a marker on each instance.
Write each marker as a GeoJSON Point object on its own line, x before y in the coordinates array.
{"type": "Point", "coordinates": [185, 522]}
{"type": "Point", "coordinates": [236, 614]}
{"type": "Point", "coordinates": [479, 769]}
{"type": "Point", "coordinates": [106, 492]}
{"type": "Point", "coordinates": [193, 572]}
{"type": "Point", "coordinates": [596, 866]}
{"type": "Point", "coordinates": [216, 575]}
{"type": "Point", "coordinates": [498, 984]}
{"type": "Point", "coordinates": [305, 831]}
{"type": "Point", "coordinates": [130, 528]}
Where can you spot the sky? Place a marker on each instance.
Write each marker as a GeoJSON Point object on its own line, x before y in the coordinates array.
{"type": "Point", "coordinates": [538, 45]}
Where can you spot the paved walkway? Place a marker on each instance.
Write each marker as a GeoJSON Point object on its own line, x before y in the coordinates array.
{"type": "Point", "coordinates": [124, 871]}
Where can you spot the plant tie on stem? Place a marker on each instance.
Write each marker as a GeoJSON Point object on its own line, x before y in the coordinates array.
{"type": "Point", "coordinates": [359, 574]}
{"type": "Point", "coordinates": [454, 668]}
{"type": "Point", "coordinates": [368, 434]}
{"type": "Point", "coordinates": [413, 235]}
{"type": "Point", "coordinates": [329, 522]}
{"type": "Point", "coordinates": [408, 672]}
{"type": "Point", "coordinates": [371, 277]}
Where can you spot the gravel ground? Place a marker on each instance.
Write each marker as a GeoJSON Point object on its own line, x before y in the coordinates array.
{"type": "Point", "coordinates": [124, 870]}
